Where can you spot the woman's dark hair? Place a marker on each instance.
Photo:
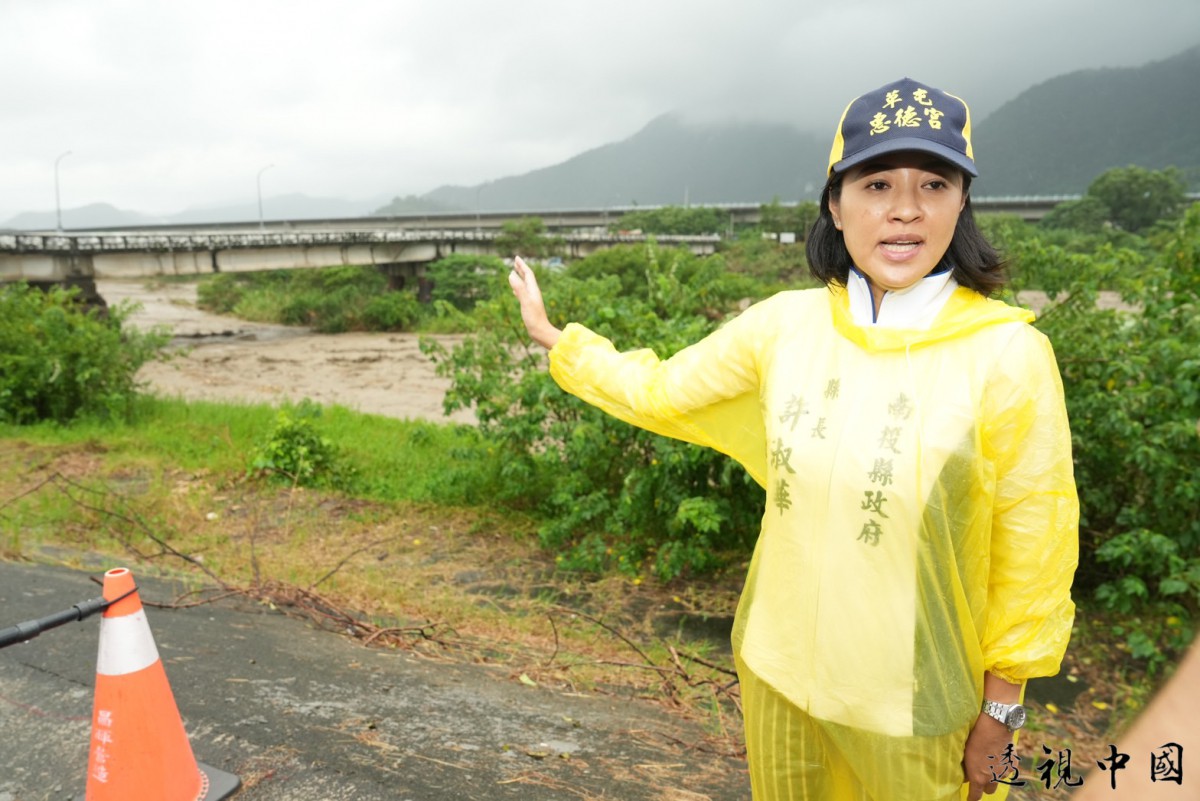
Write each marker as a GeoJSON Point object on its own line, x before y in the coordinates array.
{"type": "Point", "coordinates": [973, 261]}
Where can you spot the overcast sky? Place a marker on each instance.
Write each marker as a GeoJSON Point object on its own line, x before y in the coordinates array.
{"type": "Point", "coordinates": [171, 104]}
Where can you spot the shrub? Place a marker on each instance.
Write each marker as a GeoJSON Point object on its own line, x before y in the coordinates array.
{"type": "Point", "coordinates": [1088, 213]}
{"type": "Point", "coordinates": [221, 293]}
{"type": "Point", "coordinates": [60, 361]}
{"type": "Point", "coordinates": [612, 496]}
{"type": "Point", "coordinates": [1137, 198]}
{"type": "Point", "coordinates": [297, 454]}
{"type": "Point", "coordinates": [464, 281]}
{"type": "Point", "coordinates": [329, 300]}
{"type": "Point", "coordinates": [391, 311]}
{"type": "Point", "coordinates": [673, 281]}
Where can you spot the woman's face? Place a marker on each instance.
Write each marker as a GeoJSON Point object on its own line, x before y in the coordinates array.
{"type": "Point", "coordinates": [897, 215]}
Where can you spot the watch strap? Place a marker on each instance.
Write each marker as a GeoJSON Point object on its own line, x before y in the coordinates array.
{"type": "Point", "coordinates": [1000, 712]}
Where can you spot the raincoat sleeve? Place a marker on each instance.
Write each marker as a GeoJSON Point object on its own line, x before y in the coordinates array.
{"type": "Point", "coordinates": [1035, 525]}
{"type": "Point", "coordinates": [706, 394]}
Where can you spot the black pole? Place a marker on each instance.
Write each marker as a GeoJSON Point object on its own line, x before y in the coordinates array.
{"type": "Point", "coordinates": [32, 628]}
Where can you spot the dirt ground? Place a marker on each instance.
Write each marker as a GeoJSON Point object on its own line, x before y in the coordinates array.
{"type": "Point", "coordinates": [227, 359]}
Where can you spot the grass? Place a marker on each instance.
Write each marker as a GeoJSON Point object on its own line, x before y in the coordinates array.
{"type": "Point", "coordinates": [393, 458]}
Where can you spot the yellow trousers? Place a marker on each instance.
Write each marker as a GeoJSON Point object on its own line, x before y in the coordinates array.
{"type": "Point", "coordinates": [794, 757]}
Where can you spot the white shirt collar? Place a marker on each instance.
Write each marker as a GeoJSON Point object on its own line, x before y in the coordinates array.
{"type": "Point", "coordinates": [913, 307]}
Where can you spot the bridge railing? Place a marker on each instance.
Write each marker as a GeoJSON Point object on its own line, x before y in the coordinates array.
{"type": "Point", "coordinates": [153, 243]}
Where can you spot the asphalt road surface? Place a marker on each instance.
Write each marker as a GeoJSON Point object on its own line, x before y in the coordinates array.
{"type": "Point", "coordinates": [299, 713]}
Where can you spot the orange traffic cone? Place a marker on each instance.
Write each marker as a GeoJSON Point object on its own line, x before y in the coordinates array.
{"type": "Point", "coordinates": [139, 749]}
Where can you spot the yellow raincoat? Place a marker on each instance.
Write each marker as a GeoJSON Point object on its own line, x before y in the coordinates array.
{"type": "Point", "coordinates": [920, 526]}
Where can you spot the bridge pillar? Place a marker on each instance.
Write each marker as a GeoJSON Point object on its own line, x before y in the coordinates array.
{"type": "Point", "coordinates": [61, 269]}
{"type": "Point", "coordinates": [398, 274]}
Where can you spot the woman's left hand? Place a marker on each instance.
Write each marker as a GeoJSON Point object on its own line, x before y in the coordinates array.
{"type": "Point", "coordinates": [983, 757]}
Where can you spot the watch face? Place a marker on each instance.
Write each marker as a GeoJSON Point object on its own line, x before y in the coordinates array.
{"type": "Point", "coordinates": [1016, 717]}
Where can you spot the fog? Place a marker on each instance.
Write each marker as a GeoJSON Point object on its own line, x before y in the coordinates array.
{"type": "Point", "coordinates": [168, 106]}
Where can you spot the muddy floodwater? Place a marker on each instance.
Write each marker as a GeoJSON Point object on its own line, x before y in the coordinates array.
{"type": "Point", "coordinates": [226, 359]}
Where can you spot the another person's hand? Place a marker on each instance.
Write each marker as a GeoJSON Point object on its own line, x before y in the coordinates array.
{"type": "Point", "coordinates": [983, 755]}
{"type": "Point", "coordinates": [533, 309]}
{"type": "Point", "coordinates": [1169, 720]}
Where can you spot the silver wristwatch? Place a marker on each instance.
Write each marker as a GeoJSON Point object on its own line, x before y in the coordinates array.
{"type": "Point", "coordinates": [1011, 715]}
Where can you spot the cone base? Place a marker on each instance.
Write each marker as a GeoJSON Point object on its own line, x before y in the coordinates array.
{"type": "Point", "coordinates": [220, 784]}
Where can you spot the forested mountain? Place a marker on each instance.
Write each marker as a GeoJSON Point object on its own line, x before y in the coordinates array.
{"type": "Point", "coordinates": [1051, 139]}
{"type": "Point", "coordinates": [669, 161]}
{"type": "Point", "coordinates": [1059, 135]}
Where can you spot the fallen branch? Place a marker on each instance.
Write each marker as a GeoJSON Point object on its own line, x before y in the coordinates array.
{"type": "Point", "coordinates": [610, 630]}
{"type": "Point", "coordinates": [132, 519]}
{"type": "Point", "coordinates": [550, 661]}
{"type": "Point", "coordinates": [350, 556]}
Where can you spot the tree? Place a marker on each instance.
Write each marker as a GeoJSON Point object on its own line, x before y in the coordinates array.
{"type": "Point", "coordinates": [674, 220]}
{"type": "Point", "coordinates": [527, 237]}
{"type": "Point", "coordinates": [777, 218]}
{"type": "Point", "coordinates": [1137, 198]}
{"type": "Point", "coordinates": [1088, 214]}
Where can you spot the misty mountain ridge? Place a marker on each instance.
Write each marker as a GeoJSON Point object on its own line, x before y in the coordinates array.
{"type": "Point", "coordinates": [295, 206]}
{"type": "Point", "coordinates": [1052, 139]}
{"type": "Point", "coordinates": [93, 215]}
{"type": "Point", "coordinates": [669, 161]}
{"type": "Point", "coordinates": [1058, 136]}
{"type": "Point", "coordinates": [282, 207]}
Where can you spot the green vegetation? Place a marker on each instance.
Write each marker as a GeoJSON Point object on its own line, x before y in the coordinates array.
{"type": "Point", "coordinates": [60, 361]}
{"type": "Point", "coordinates": [776, 218]}
{"type": "Point", "coordinates": [338, 299]}
{"type": "Point", "coordinates": [362, 456]}
{"type": "Point", "coordinates": [796, 219]}
{"type": "Point", "coordinates": [610, 495]}
{"type": "Point", "coordinates": [295, 452]}
{"type": "Point", "coordinates": [677, 220]}
{"type": "Point", "coordinates": [603, 496]}
{"type": "Point", "coordinates": [329, 301]}
{"type": "Point", "coordinates": [1128, 198]}
{"type": "Point", "coordinates": [528, 238]}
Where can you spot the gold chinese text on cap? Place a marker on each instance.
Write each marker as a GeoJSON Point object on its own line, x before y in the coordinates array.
{"type": "Point", "coordinates": [904, 115]}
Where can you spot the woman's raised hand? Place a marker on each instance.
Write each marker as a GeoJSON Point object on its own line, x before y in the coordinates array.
{"type": "Point", "coordinates": [533, 309]}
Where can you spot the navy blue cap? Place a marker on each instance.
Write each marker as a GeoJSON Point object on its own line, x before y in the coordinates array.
{"type": "Point", "coordinates": [904, 115]}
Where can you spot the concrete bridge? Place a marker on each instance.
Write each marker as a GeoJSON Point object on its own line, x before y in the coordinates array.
{"type": "Point", "coordinates": [400, 245]}
{"type": "Point", "coordinates": [1029, 208]}
{"type": "Point", "coordinates": [79, 258]}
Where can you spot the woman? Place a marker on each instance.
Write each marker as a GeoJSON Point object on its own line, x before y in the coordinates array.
{"type": "Point", "coordinates": [914, 564]}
